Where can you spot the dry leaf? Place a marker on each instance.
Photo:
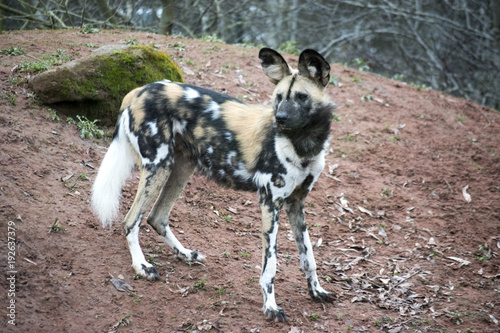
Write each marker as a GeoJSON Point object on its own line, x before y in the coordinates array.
{"type": "Point", "coordinates": [232, 210]}
{"type": "Point", "coordinates": [121, 285]}
{"type": "Point", "coordinates": [466, 195]}
{"type": "Point", "coordinates": [366, 211]}
{"type": "Point", "coordinates": [461, 261]}
{"type": "Point", "coordinates": [332, 168]}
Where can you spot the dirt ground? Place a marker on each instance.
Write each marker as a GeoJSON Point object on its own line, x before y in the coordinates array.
{"type": "Point", "coordinates": [397, 241]}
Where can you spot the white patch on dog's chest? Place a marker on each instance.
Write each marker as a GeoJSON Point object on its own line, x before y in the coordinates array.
{"type": "Point", "coordinates": [297, 170]}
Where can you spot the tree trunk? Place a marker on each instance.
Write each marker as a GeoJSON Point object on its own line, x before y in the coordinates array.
{"type": "Point", "coordinates": [167, 17]}
{"type": "Point", "coordinates": [2, 2]}
{"type": "Point", "coordinates": [496, 16]}
{"type": "Point", "coordinates": [106, 11]}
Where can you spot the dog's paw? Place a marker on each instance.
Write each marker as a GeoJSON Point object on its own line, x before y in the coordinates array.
{"type": "Point", "coordinates": [190, 256]}
{"type": "Point", "coordinates": [147, 271]}
{"type": "Point", "coordinates": [322, 296]}
{"type": "Point", "coordinates": [275, 314]}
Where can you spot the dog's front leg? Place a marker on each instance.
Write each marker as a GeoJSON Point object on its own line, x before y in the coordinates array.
{"type": "Point", "coordinates": [294, 208]}
{"type": "Point", "coordinates": [270, 210]}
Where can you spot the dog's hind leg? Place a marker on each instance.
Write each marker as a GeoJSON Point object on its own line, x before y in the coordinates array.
{"type": "Point", "coordinates": [150, 185]}
{"type": "Point", "coordinates": [158, 218]}
{"type": "Point", "coordinates": [294, 207]}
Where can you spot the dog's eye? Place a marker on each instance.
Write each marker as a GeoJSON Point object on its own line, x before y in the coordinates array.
{"type": "Point", "coordinates": [301, 96]}
{"type": "Point", "coordinates": [279, 97]}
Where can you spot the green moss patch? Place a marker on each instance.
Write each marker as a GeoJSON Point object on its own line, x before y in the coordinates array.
{"type": "Point", "coordinates": [95, 86]}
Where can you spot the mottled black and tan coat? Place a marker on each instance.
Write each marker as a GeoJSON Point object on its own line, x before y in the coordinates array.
{"type": "Point", "coordinates": [169, 130]}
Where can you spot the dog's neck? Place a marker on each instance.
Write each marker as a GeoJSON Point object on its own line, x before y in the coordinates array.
{"type": "Point", "coordinates": [300, 151]}
{"type": "Point", "coordinates": [308, 142]}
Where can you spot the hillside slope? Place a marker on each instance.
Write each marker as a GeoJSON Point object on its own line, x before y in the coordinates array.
{"type": "Point", "coordinates": [407, 254]}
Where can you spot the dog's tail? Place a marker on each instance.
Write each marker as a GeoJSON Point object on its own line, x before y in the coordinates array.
{"type": "Point", "coordinates": [115, 169]}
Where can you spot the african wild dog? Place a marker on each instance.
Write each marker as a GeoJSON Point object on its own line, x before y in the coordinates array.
{"type": "Point", "coordinates": [170, 129]}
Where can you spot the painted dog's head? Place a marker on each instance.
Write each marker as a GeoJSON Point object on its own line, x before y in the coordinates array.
{"type": "Point", "coordinates": [299, 100]}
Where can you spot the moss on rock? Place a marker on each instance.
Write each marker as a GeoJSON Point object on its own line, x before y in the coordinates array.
{"type": "Point", "coordinates": [94, 86]}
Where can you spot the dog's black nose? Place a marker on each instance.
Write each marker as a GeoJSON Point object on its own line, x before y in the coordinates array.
{"type": "Point", "coordinates": [281, 118]}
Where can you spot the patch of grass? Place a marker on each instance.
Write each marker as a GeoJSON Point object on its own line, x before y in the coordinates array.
{"type": "Point", "coordinates": [9, 97]}
{"type": "Point", "coordinates": [212, 39]}
{"type": "Point", "coordinates": [385, 192]}
{"type": "Point", "coordinates": [221, 291]}
{"type": "Point", "coordinates": [349, 138]}
{"type": "Point", "coordinates": [88, 129]}
{"type": "Point", "coordinates": [366, 98]}
{"type": "Point", "coordinates": [249, 44]}
{"type": "Point", "coordinates": [336, 117]}
{"type": "Point", "coordinates": [483, 253]}
{"type": "Point", "coordinates": [56, 227]}
{"type": "Point", "coordinates": [83, 177]}
{"type": "Point", "coordinates": [335, 80]}
{"type": "Point", "coordinates": [45, 63]}
{"type": "Point", "coordinates": [88, 29]}
{"type": "Point", "coordinates": [361, 64]}
{"type": "Point", "coordinates": [250, 280]}
{"type": "Point", "coordinates": [201, 284]}
{"type": "Point", "coordinates": [289, 47]}
{"type": "Point", "coordinates": [131, 41]}
{"type": "Point", "coordinates": [210, 50]}
{"type": "Point", "coordinates": [398, 77]}
{"type": "Point", "coordinates": [394, 138]}
{"type": "Point", "coordinates": [13, 51]}
{"type": "Point", "coordinates": [244, 253]}
{"type": "Point", "coordinates": [35, 67]}
{"type": "Point", "coordinates": [419, 86]}
{"type": "Point", "coordinates": [124, 321]}
{"type": "Point", "coordinates": [460, 118]}
{"type": "Point", "coordinates": [151, 259]}
{"type": "Point", "coordinates": [180, 46]}
{"type": "Point", "coordinates": [138, 299]}
{"type": "Point", "coordinates": [16, 80]}
{"type": "Point", "coordinates": [314, 317]}
{"type": "Point", "coordinates": [456, 317]}
{"type": "Point", "coordinates": [57, 58]}
{"type": "Point", "coordinates": [53, 116]}
{"type": "Point", "coordinates": [356, 79]}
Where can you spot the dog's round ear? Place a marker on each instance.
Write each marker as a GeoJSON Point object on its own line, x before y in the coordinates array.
{"type": "Point", "coordinates": [273, 65]}
{"type": "Point", "coordinates": [314, 66]}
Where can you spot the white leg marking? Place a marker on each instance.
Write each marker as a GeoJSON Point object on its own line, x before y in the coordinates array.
{"type": "Point", "coordinates": [181, 251]}
{"type": "Point", "coordinates": [271, 309]}
{"type": "Point", "coordinates": [139, 263]}
{"type": "Point", "coordinates": [308, 265]}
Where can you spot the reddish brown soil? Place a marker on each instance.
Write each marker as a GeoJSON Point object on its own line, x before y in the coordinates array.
{"type": "Point", "coordinates": [405, 156]}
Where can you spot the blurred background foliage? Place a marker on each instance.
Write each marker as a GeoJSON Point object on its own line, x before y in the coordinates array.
{"type": "Point", "coordinates": [447, 45]}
